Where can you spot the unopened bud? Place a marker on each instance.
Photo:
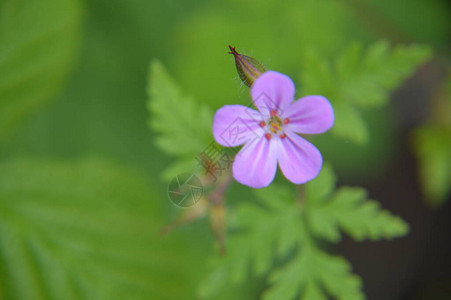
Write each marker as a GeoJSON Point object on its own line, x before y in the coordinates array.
{"type": "Point", "coordinates": [248, 67]}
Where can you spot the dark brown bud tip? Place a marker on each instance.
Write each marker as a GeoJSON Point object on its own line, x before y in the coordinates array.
{"type": "Point", "coordinates": [232, 50]}
{"type": "Point", "coordinates": [248, 68]}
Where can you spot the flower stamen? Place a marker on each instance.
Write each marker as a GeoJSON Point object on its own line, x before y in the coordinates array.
{"type": "Point", "coordinates": [274, 126]}
{"type": "Point", "coordinates": [262, 124]}
{"type": "Point", "coordinates": [268, 136]}
{"type": "Point", "coordinates": [286, 121]}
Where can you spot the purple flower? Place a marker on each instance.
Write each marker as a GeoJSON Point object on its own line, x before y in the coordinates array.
{"type": "Point", "coordinates": [269, 135]}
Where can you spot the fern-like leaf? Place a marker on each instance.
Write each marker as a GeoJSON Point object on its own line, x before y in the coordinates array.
{"type": "Point", "coordinates": [347, 210]}
{"type": "Point", "coordinates": [312, 273]}
{"type": "Point", "coordinates": [282, 228]}
{"type": "Point", "coordinates": [183, 127]}
{"type": "Point", "coordinates": [263, 233]}
{"type": "Point", "coordinates": [360, 80]}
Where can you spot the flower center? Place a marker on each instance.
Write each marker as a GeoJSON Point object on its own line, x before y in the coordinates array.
{"type": "Point", "coordinates": [275, 125]}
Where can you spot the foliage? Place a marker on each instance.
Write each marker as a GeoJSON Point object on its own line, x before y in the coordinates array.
{"type": "Point", "coordinates": [84, 230]}
{"type": "Point", "coordinates": [183, 126]}
{"type": "Point", "coordinates": [38, 44]}
{"type": "Point", "coordinates": [311, 271]}
{"type": "Point", "coordinates": [349, 210]}
{"type": "Point", "coordinates": [281, 228]}
{"type": "Point", "coordinates": [359, 80]}
{"type": "Point", "coordinates": [433, 148]}
{"type": "Point", "coordinates": [87, 228]}
{"type": "Point", "coordinates": [424, 21]}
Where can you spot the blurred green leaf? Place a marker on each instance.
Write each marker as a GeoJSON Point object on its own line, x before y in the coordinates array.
{"type": "Point", "coordinates": [356, 162]}
{"type": "Point", "coordinates": [424, 21]}
{"type": "Point", "coordinates": [367, 79]}
{"type": "Point", "coordinates": [263, 233]}
{"type": "Point", "coordinates": [350, 124]}
{"type": "Point", "coordinates": [280, 227]}
{"type": "Point", "coordinates": [180, 166]}
{"type": "Point", "coordinates": [322, 187]}
{"type": "Point", "coordinates": [359, 81]}
{"type": "Point", "coordinates": [311, 271]}
{"type": "Point", "coordinates": [86, 230]}
{"type": "Point", "coordinates": [38, 45]}
{"type": "Point", "coordinates": [347, 209]}
{"type": "Point", "coordinates": [182, 125]}
{"type": "Point", "coordinates": [432, 144]}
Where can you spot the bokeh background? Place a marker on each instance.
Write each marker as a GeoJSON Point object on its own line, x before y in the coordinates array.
{"type": "Point", "coordinates": [81, 193]}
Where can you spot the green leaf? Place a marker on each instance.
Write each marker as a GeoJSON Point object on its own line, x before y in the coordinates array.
{"type": "Point", "coordinates": [283, 227]}
{"type": "Point", "coordinates": [372, 76]}
{"type": "Point", "coordinates": [349, 211]}
{"type": "Point", "coordinates": [310, 270]}
{"type": "Point", "coordinates": [328, 212]}
{"type": "Point", "coordinates": [313, 292]}
{"type": "Point", "coordinates": [264, 233]}
{"type": "Point", "coordinates": [182, 165]}
{"type": "Point", "coordinates": [86, 230]}
{"type": "Point", "coordinates": [322, 187]}
{"type": "Point", "coordinates": [432, 144]}
{"type": "Point", "coordinates": [183, 126]}
{"type": "Point", "coordinates": [401, 21]}
{"type": "Point", "coordinates": [316, 75]}
{"type": "Point", "coordinates": [359, 80]}
{"type": "Point", "coordinates": [38, 45]}
{"type": "Point", "coordinates": [351, 125]}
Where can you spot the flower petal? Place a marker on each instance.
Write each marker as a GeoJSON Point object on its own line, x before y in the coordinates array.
{"type": "Point", "coordinates": [299, 160]}
{"type": "Point", "coordinates": [233, 125]}
{"type": "Point", "coordinates": [255, 165]}
{"type": "Point", "coordinates": [272, 91]}
{"type": "Point", "coordinates": [310, 114]}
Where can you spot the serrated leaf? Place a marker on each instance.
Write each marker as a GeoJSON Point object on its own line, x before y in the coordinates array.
{"type": "Point", "coordinates": [313, 292]}
{"type": "Point", "coordinates": [359, 80]}
{"type": "Point", "coordinates": [310, 270]}
{"type": "Point", "coordinates": [280, 226]}
{"type": "Point", "coordinates": [85, 230]}
{"type": "Point", "coordinates": [264, 233]}
{"type": "Point", "coordinates": [349, 211]}
{"type": "Point", "coordinates": [182, 165]}
{"type": "Point", "coordinates": [217, 280]}
{"type": "Point", "coordinates": [275, 196]}
{"type": "Point", "coordinates": [351, 125]}
{"type": "Point", "coordinates": [183, 126]}
{"type": "Point", "coordinates": [380, 71]}
{"type": "Point", "coordinates": [349, 61]}
{"type": "Point", "coordinates": [38, 45]}
{"type": "Point", "coordinates": [316, 75]}
{"type": "Point", "coordinates": [335, 274]}
{"type": "Point", "coordinates": [323, 186]}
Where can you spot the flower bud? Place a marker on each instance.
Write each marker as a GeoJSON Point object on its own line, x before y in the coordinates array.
{"type": "Point", "coordinates": [248, 68]}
